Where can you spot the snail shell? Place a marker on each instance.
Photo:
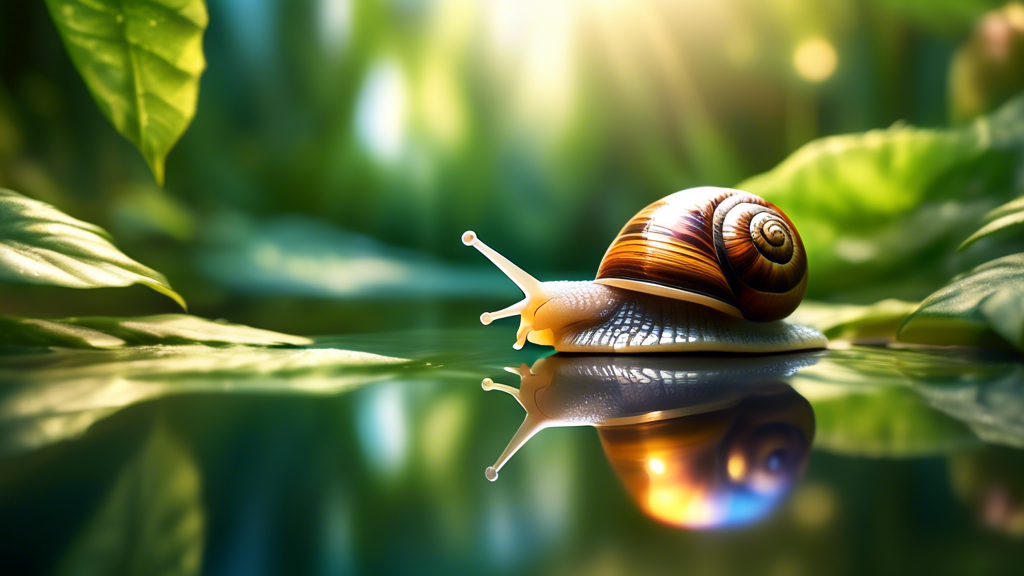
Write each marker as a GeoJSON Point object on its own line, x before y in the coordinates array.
{"type": "Point", "coordinates": [723, 248]}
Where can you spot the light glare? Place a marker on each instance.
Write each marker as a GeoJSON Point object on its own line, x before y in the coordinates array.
{"type": "Point", "coordinates": [815, 59]}
{"type": "Point", "coordinates": [382, 111]}
{"type": "Point", "coordinates": [656, 466]}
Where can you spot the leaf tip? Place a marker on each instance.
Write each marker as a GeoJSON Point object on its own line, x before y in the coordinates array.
{"type": "Point", "coordinates": [156, 164]}
{"type": "Point", "coordinates": [169, 292]}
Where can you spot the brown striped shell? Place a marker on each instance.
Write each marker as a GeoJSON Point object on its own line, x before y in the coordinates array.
{"type": "Point", "coordinates": [723, 248]}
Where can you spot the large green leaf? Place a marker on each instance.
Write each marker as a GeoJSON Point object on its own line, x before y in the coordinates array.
{"type": "Point", "coordinates": [876, 203]}
{"type": "Point", "coordinates": [41, 245]}
{"type": "Point", "coordinates": [142, 60]}
{"type": "Point", "coordinates": [853, 322]}
{"type": "Point", "coordinates": [151, 522]}
{"type": "Point", "coordinates": [974, 308]}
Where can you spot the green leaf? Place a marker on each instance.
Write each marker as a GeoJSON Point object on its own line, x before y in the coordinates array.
{"type": "Point", "coordinates": [981, 307]}
{"type": "Point", "coordinates": [16, 331]}
{"type": "Point", "coordinates": [106, 332]}
{"type": "Point", "coordinates": [141, 59]}
{"type": "Point", "coordinates": [855, 198]}
{"type": "Point", "coordinates": [151, 522]}
{"type": "Point", "coordinates": [1007, 217]}
{"type": "Point", "coordinates": [853, 322]}
{"type": "Point", "coordinates": [41, 245]}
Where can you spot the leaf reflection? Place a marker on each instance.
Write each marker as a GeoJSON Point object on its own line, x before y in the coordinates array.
{"type": "Point", "coordinates": [990, 482]}
{"type": "Point", "coordinates": [151, 522]}
{"type": "Point", "coordinates": [916, 402]}
{"type": "Point", "coordinates": [56, 396]}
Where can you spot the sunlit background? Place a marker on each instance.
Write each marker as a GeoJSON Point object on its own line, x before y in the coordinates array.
{"type": "Point", "coordinates": [340, 149]}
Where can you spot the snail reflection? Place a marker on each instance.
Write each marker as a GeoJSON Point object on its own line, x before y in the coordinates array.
{"type": "Point", "coordinates": [697, 442]}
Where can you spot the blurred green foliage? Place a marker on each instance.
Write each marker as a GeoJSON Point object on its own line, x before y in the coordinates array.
{"type": "Point", "coordinates": [986, 70]}
{"type": "Point", "coordinates": [544, 127]}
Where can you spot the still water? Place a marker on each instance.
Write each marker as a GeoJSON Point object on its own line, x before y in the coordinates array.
{"type": "Point", "coordinates": [191, 459]}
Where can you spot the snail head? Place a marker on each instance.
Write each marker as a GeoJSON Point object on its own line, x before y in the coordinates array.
{"type": "Point", "coordinates": [532, 288]}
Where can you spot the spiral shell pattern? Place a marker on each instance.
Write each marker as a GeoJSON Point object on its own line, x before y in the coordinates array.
{"type": "Point", "coordinates": [720, 247]}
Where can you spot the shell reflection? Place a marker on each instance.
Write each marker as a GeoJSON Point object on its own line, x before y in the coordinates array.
{"type": "Point", "coordinates": [697, 442]}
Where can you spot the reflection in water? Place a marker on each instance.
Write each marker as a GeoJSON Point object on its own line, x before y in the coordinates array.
{"type": "Point", "coordinates": [986, 392]}
{"type": "Point", "coordinates": [697, 442]}
{"type": "Point", "coordinates": [990, 481]}
{"type": "Point", "coordinates": [56, 395]}
{"type": "Point", "coordinates": [719, 468]}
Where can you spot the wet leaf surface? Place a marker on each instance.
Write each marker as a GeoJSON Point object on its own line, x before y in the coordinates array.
{"type": "Point", "coordinates": [980, 307]}
{"type": "Point", "coordinates": [106, 332]}
{"type": "Point", "coordinates": [41, 245]}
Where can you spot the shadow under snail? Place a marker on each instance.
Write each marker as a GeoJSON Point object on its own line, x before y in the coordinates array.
{"type": "Point", "coordinates": [704, 269]}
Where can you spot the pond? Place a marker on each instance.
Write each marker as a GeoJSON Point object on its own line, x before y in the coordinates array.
{"type": "Point", "coordinates": [312, 460]}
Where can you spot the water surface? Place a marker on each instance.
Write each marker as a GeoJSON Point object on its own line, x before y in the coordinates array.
{"type": "Point", "coordinates": [188, 459]}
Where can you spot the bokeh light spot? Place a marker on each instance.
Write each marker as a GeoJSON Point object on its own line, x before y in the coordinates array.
{"type": "Point", "coordinates": [737, 467]}
{"type": "Point", "coordinates": [382, 111]}
{"type": "Point", "coordinates": [815, 59]}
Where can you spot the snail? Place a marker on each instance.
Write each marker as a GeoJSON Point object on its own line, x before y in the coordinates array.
{"type": "Point", "coordinates": [704, 269]}
{"type": "Point", "coordinates": [697, 442]}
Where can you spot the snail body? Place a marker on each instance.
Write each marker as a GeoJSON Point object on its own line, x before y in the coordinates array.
{"type": "Point", "coordinates": [705, 269]}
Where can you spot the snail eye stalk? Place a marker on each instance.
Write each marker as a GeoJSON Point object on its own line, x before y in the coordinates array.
{"type": "Point", "coordinates": [530, 286]}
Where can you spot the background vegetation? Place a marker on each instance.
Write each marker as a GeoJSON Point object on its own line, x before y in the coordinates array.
{"type": "Point", "coordinates": [336, 150]}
